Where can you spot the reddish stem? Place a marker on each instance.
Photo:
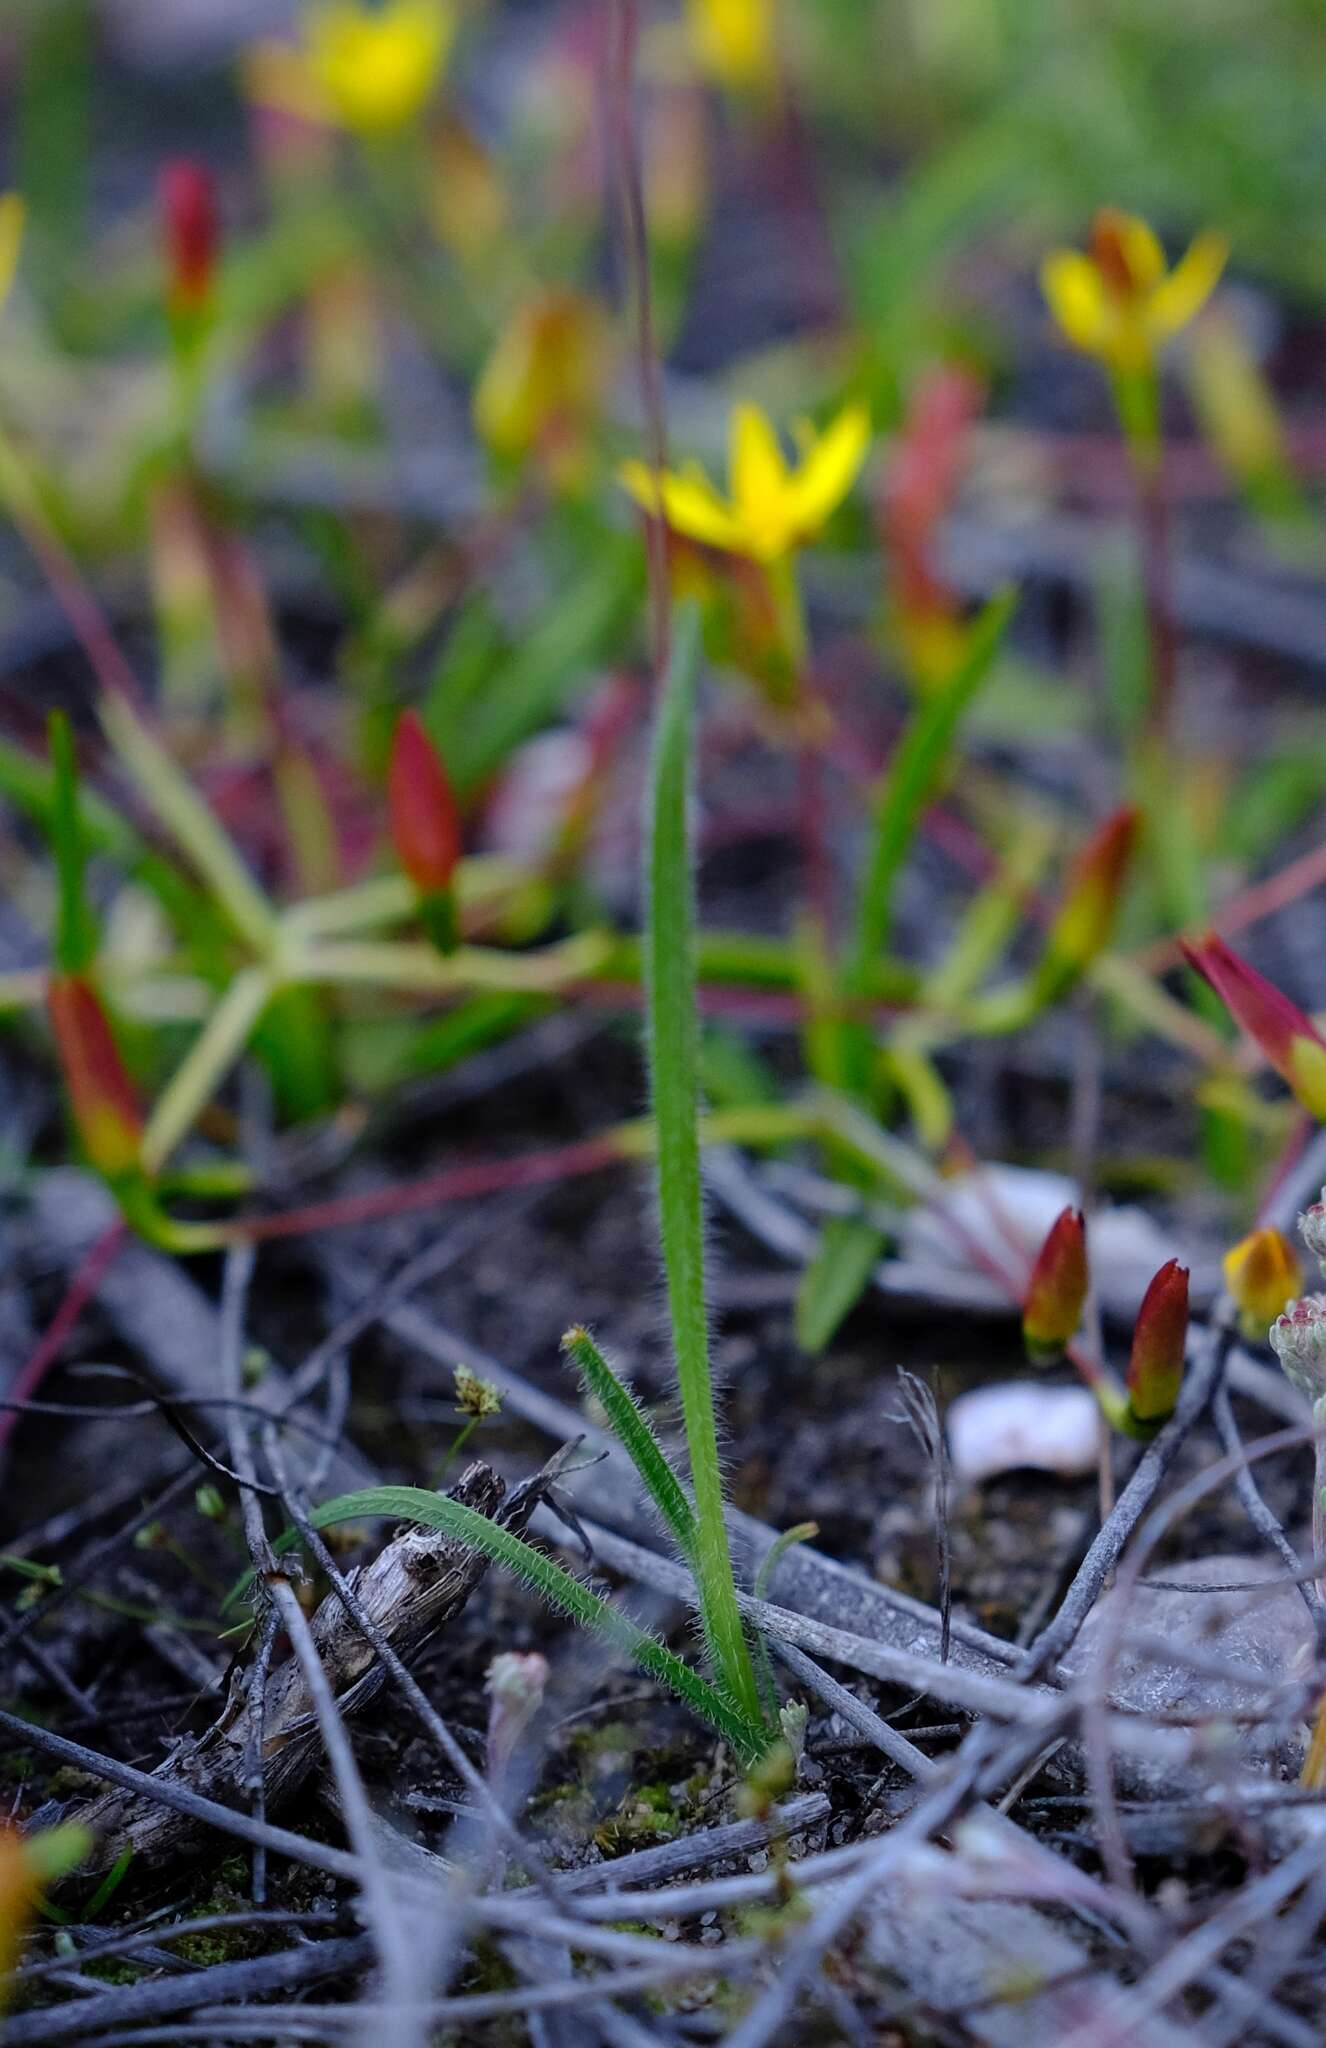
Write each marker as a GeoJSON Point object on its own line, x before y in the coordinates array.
{"type": "Point", "coordinates": [776, 1008]}
{"type": "Point", "coordinates": [87, 1279]}
{"type": "Point", "coordinates": [1245, 908]}
{"type": "Point", "coordinates": [623, 37]}
{"type": "Point", "coordinates": [453, 1184]}
{"type": "Point", "coordinates": [74, 595]}
{"type": "Point", "coordinates": [1158, 595]}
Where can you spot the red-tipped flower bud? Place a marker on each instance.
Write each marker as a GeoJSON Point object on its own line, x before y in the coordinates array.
{"type": "Point", "coordinates": [1298, 1339]}
{"type": "Point", "coordinates": [922, 477]}
{"type": "Point", "coordinates": [425, 825]}
{"type": "Point", "coordinates": [1288, 1039]}
{"type": "Point", "coordinates": [1262, 1272]}
{"type": "Point", "coordinates": [1155, 1370]}
{"type": "Point", "coordinates": [188, 213]}
{"type": "Point", "coordinates": [1057, 1290]}
{"type": "Point", "coordinates": [1085, 920]}
{"type": "Point", "coordinates": [101, 1095]}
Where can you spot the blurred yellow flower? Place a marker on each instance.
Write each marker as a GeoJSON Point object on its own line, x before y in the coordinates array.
{"type": "Point", "coordinates": [542, 383]}
{"type": "Point", "coordinates": [11, 235]}
{"type": "Point", "coordinates": [1263, 1275]}
{"type": "Point", "coordinates": [369, 69]}
{"type": "Point", "coordinates": [27, 1864]}
{"type": "Point", "coordinates": [733, 41]}
{"type": "Point", "coordinates": [1120, 301]}
{"type": "Point", "coordinates": [773, 507]}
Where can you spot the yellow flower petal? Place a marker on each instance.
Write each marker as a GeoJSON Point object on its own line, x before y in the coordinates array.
{"type": "Point", "coordinates": [1142, 252]}
{"type": "Point", "coordinates": [757, 473]}
{"type": "Point", "coordinates": [642, 484]}
{"type": "Point", "coordinates": [688, 502]}
{"type": "Point", "coordinates": [692, 506]}
{"type": "Point", "coordinates": [831, 466]}
{"type": "Point", "coordinates": [378, 66]}
{"type": "Point", "coordinates": [1075, 295]}
{"type": "Point", "coordinates": [11, 235]}
{"type": "Point", "coordinates": [1181, 295]}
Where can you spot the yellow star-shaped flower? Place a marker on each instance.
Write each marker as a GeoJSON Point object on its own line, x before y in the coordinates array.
{"type": "Point", "coordinates": [733, 42]}
{"type": "Point", "coordinates": [1120, 300]}
{"type": "Point", "coordinates": [773, 507]}
{"type": "Point", "coordinates": [369, 69]}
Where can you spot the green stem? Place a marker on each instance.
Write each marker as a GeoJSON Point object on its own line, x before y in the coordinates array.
{"type": "Point", "coordinates": [404, 965]}
{"type": "Point", "coordinates": [212, 1054]}
{"type": "Point", "coordinates": [674, 1068]}
{"type": "Point", "coordinates": [184, 814]}
{"type": "Point", "coordinates": [482, 881]}
{"type": "Point", "coordinates": [454, 1449]}
{"type": "Point", "coordinates": [913, 773]}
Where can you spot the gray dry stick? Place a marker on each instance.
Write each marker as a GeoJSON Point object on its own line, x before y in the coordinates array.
{"type": "Point", "coordinates": [412, 1589]}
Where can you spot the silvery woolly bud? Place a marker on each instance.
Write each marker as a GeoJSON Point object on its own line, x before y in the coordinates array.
{"type": "Point", "coordinates": [1298, 1339]}
{"type": "Point", "coordinates": [1312, 1229]}
{"type": "Point", "coordinates": [516, 1681]}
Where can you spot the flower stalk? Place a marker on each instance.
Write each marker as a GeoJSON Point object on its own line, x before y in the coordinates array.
{"type": "Point", "coordinates": [674, 1075]}
{"type": "Point", "coordinates": [1120, 302]}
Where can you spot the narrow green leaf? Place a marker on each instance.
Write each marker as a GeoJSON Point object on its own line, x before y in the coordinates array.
{"type": "Point", "coordinates": [835, 1279]}
{"type": "Point", "coordinates": [633, 1428]}
{"type": "Point", "coordinates": [560, 1588]}
{"type": "Point", "coordinates": [912, 778]}
{"type": "Point", "coordinates": [193, 825]}
{"type": "Point", "coordinates": [674, 1078]}
{"type": "Point", "coordinates": [75, 926]}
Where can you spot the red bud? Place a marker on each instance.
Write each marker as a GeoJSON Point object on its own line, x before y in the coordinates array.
{"type": "Point", "coordinates": [101, 1095]}
{"type": "Point", "coordinates": [425, 823]}
{"type": "Point", "coordinates": [1288, 1039]}
{"type": "Point", "coordinates": [1057, 1289]}
{"type": "Point", "coordinates": [1085, 920]}
{"type": "Point", "coordinates": [1155, 1370]}
{"type": "Point", "coordinates": [921, 480]}
{"type": "Point", "coordinates": [188, 212]}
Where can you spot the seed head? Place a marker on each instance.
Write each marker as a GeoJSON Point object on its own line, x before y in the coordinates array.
{"type": "Point", "coordinates": [475, 1397]}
